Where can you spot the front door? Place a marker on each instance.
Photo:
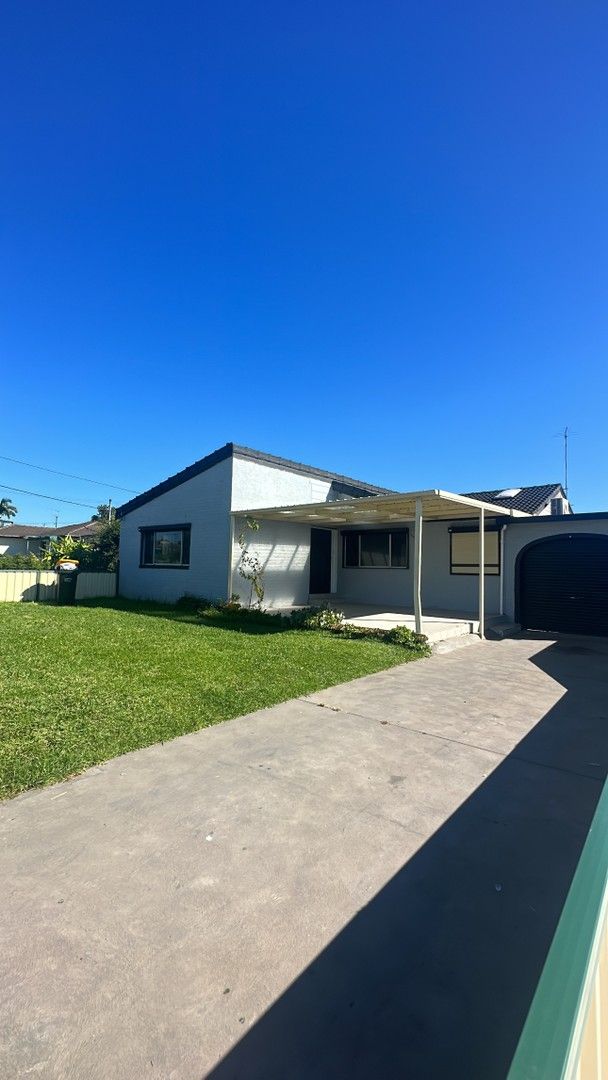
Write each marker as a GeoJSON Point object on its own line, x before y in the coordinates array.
{"type": "Point", "coordinates": [320, 561]}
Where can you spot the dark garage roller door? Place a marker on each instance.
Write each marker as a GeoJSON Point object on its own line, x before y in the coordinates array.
{"type": "Point", "coordinates": [563, 585]}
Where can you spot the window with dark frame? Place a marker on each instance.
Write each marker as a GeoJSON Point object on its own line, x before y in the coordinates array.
{"type": "Point", "coordinates": [376, 549]}
{"type": "Point", "coordinates": [165, 546]}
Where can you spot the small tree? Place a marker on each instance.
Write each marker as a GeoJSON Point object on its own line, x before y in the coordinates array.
{"type": "Point", "coordinates": [102, 514]}
{"type": "Point", "coordinates": [7, 510]}
{"type": "Point", "coordinates": [66, 547]}
{"type": "Point", "coordinates": [106, 543]}
{"type": "Point", "coordinates": [250, 567]}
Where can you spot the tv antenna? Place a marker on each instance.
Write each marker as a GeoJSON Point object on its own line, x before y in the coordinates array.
{"type": "Point", "coordinates": [566, 434]}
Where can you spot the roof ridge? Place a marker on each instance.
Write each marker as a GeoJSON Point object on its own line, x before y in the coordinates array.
{"type": "Point", "coordinates": [231, 449]}
{"type": "Point", "coordinates": [274, 459]}
{"type": "Point", "coordinates": [525, 487]}
{"type": "Point", "coordinates": [530, 498]}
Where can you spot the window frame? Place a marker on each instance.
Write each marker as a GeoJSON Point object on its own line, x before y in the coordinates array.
{"type": "Point", "coordinates": [185, 528]}
{"type": "Point", "coordinates": [491, 569]}
{"type": "Point", "coordinates": [370, 532]}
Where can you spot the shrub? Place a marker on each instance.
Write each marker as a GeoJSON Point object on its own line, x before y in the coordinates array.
{"type": "Point", "coordinates": [317, 619]}
{"type": "Point", "coordinates": [20, 562]}
{"type": "Point", "coordinates": [351, 631]}
{"type": "Point", "coordinates": [189, 602]}
{"type": "Point", "coordinates": [68, 547]}
{"type": "Point", "coordinates": [408, 639]}
{"type": "Point", "coordinates": [233, 609]}
{"type": "Point", "coordinates": [106, 543]}
{"type": "Point", "coordinates": [397, 635]}
{"type": "Point", "coordinates": [310, 618]}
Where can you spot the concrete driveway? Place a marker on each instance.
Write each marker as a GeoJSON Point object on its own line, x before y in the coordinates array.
{"type": "Point", "coordinates": [363, 883]}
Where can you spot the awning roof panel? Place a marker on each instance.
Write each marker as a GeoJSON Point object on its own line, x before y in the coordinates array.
{"type": "Point", "coordinates": [376, 509]}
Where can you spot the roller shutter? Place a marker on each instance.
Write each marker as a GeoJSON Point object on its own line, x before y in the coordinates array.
{"type": "Point", "coordinates": [563, 585]}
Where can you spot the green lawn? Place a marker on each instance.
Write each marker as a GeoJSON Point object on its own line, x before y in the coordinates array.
{"type": "Point", "coordinates": [80, 685]}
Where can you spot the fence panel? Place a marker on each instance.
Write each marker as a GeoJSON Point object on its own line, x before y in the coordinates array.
{"type": "Point", "coordinates": [566, 1035]}
{"type": "Point", "coordinates": [90, 585]}
{"type": "Point", "coordinates": [18, 584]}
{"type": "Point", "coordinates": [41, 585]}
{"type": "Point", "coordinates": [47, 587]}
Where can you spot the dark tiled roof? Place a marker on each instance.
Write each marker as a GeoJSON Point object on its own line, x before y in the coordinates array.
{"type": "Point", "coordinates": [24, 532]}
{"type": "Point", "coordinates": [528, 499]}
{"type": "Point", "coordinates": [82, 529]}
{"type": "Point", "coordinates": [31, 532]}
{"type": "Point", "coordinates": [233, 449]}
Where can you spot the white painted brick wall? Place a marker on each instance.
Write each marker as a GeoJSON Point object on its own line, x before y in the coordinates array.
{"type": "Point", "coordinates": [283, 549]}
{"type": "Point", "coordinates": [255, 484]}
{"type": "Point", "coordinates": [204, 502]}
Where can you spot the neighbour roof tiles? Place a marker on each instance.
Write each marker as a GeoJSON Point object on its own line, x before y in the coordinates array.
{"type": "Point", "coordinates": [31, 532]}
{"type": "Point", "coordinates": [528, 499]}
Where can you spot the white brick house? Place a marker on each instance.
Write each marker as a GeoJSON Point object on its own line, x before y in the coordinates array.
{"type": "Point", "coordinates": [327, 536]}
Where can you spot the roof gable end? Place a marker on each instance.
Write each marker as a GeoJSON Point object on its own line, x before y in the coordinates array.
{"type": "Point", "coordinates": [248, 454]}
{"type": "Point", "coordinates": [198, 467]}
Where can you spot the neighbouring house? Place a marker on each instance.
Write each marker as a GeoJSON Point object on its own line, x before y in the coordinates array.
{"type": "Point", "coordinates": [326, 538]}
{"type": "Point", "coordinates": [542, 500]}
{"type": "Point", "coordinates": [33, 539]}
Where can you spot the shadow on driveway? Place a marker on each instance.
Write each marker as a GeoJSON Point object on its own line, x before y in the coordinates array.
{"type": "Point", "coordinates": [434, 977]}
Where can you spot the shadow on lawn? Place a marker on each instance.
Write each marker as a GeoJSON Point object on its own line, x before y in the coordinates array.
{"type": "Point", "coordinates": [254, 623]}
{"type": "Point", "coordinates": [242, 624]}
{"type": "Point", "coordinates": [434, 977]}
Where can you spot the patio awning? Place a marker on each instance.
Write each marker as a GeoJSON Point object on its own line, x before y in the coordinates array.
{"type": "Point", "coordinates": [415, 506]}
{"type": "Point", "coordinates": [436, 505]}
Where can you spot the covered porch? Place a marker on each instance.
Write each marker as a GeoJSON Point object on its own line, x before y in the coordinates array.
{"type": "Point", "coordinates": [395, 583]}
{"type": "Point", "coordinates": [437, 624]}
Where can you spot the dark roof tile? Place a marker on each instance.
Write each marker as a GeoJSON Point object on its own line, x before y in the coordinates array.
{"type": "Point", "coordinates": [528, 499]}
{"type": "Point", "coordinates": [31, 532]}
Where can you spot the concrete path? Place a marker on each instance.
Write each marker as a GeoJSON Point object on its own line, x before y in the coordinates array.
{"type": "Point", "coordinates": [360, 884]}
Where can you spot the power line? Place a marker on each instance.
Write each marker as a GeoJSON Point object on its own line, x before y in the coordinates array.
{"type": "Point", "coordinates": [72, 476]}
{"type": "Point", "coordinates": [52, 498]}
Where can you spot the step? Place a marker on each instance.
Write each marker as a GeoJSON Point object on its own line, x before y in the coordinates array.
{"type": "Point", "coordinates": [501, 630]}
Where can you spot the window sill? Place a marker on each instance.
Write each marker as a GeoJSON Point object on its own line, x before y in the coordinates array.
{"type": "Point", "coordinates": [165, 566]}
{"type": "Point", "coordinates": [375, 567]}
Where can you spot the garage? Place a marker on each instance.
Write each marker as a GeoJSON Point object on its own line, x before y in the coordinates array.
{"type": "Point", "coordinates": [562, 584]}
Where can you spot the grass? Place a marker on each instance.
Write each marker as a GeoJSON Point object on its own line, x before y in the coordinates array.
{"type": "Point", "coordinates": [82, 684]}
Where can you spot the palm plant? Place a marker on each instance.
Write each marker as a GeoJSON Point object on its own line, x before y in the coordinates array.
{"type": "Point", "coordinates": [7, 510]}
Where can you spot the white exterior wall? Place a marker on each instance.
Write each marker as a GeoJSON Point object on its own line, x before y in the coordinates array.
{"type": "Point", "coordinates": [15, 546]}
{"type": "Point", "coordinates": [283, 548]}
{"type": "Point", "coordinates": [440, 589]}
{"type": "Point", "coordinates": [256, 484]}
{"type": "Point", "coordinates": [204, 503]}
{"type": "Point", "coordinates": [518, 536]}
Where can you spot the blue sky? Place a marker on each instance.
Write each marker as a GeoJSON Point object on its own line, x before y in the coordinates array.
{"type": "Point", "coordinates": [371, 237]}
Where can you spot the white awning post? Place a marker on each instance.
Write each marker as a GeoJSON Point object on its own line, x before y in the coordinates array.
{"type": "Point", "coordinates": [482, 574]}
{"type": "Point", "coordinates": [418, 567]}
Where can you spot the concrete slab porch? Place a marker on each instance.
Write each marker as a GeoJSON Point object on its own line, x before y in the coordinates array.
{"type": "Point", "coordinates": [437, 624]}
